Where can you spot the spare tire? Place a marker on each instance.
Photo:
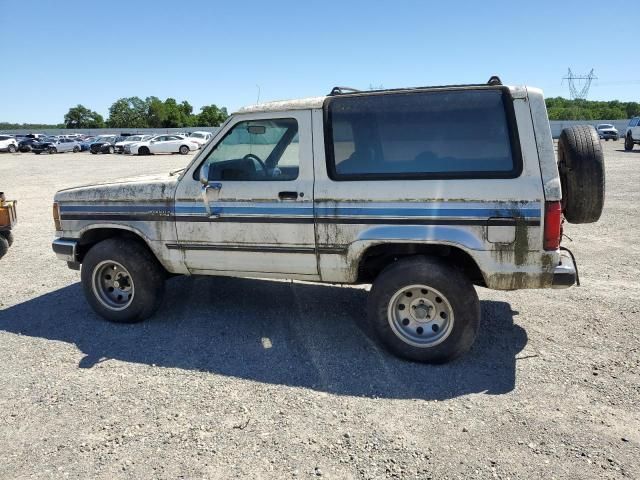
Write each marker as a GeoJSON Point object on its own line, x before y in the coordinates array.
{"type": "Point", "coordinates": [581, 167]}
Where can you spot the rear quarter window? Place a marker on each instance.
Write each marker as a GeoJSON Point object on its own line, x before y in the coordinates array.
{"type": "Point", "coordinates": [468, 133]}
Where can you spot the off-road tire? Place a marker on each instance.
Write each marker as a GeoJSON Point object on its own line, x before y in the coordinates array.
{"type": "Point", "coordinates": [4, 247]}
{"type": "Point", "coordinates": [147, 275]}
{"type": "Point", "coordinates": [628, 142]}
{"type": "Point", "coordinates": [8, 236]}
{"type": "Point", "coordinates": [582, 174]}
{"type": "Point", "coordinates": [430, 272]}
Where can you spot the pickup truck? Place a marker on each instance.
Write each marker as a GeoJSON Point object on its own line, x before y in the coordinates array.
{"type": "Point", "coordinates": [423, 193]}
{"type": "Point", "coordinates": [8, 218]}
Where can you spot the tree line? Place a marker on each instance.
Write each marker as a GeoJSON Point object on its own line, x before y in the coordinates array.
{"type": "Point", "coordinates": [563, 109]}
{"type": "Point", "coordinates": [134, 112]}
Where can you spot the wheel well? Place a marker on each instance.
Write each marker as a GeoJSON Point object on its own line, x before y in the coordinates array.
{"type": "Point", "coordinates": [91, 237]}
{"type": "Point", "coordinates": [378, 257]}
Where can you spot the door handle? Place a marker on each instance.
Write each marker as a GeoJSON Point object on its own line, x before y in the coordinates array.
{"type": "Point", "coordinates": [288, 195]}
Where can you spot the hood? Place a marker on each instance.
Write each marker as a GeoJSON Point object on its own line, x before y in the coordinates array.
{"type": "Point", "coordinates": [140, 189]}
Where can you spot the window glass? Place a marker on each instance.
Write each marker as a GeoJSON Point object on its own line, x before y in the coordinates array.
{"type": "Point", "coordinates": [422, 134]}
{"type": "Point", "coordinates": [257, 150]}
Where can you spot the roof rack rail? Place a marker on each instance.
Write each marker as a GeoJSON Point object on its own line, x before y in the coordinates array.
{"type": "Point", "coordinates": [342, 90]}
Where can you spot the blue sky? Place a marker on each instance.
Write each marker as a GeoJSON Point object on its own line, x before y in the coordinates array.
{"type": "Point", "coordinates": [93, 53]}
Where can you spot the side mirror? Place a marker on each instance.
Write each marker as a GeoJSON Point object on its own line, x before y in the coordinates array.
{"type": "Point", "coordinates": [204, 174]}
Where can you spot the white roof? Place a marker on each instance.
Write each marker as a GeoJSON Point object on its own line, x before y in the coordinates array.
{"type": "Point", "coordinates": [282, 105]}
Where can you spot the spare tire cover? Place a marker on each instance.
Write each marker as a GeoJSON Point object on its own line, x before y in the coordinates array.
{"type": "Point", "coordinates": [581, 167]}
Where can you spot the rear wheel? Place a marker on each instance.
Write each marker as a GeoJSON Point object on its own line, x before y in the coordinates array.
{"type": "Point", "coordinates": [8, 236]}
{"type": "Point", "coordinates": [184, 150]}
{"type": "Point", "coordinates": [424, 310]}
{"type": "Point", "coordinates": [4, 247]}
{"type": "Point", "coordinates": [628, 142]}
{"type": "Point", "coordinates": [122, 280]}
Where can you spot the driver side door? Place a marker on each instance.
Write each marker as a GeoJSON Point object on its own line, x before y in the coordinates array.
{"type": "Point", "coordinates": [256, 216]}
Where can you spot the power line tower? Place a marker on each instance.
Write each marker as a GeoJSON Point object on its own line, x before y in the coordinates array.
{"type": "Point", "coordinates": [579, 84]}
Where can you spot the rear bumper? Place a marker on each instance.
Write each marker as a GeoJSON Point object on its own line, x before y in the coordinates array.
{"type": "Point", "coordinates": [65, 249]}
{"type": "Point", "coordinates": [564, 275]}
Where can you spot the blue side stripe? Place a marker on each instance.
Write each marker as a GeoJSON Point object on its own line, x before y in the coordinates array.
{"type": "Point", "coordinates": [284, 209]}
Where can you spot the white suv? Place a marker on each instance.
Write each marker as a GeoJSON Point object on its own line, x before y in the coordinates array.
{"type": "Point", "coordinates": [8, 144]}
{"type": "Point", "coordinates": [632, 135]}
{"type": "Point", "coordinates": [421, 192]}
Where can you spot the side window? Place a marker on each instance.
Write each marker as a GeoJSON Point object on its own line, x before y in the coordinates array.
{"type": "Point", "coordinates": [257, 150]}
{"type": "Point", "coordinates": [429, 134]}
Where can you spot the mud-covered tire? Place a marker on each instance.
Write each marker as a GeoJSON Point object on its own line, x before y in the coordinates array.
{"type": "Point", "coordinates": [433, 277]}
{"type": "Point", "coordinates": [146, 275]}
{"type": "Point", "coordinates": [582, 175]}
{"type": "Point", "coordinates": [628, 142]}
{"type": "Point", "coordinates": [8, 236]}
{"type": "Point", "coordinates": [4, 247]}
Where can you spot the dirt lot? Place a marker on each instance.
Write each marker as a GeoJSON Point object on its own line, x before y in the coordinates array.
{"type": "Point", "coordinates": [262, 379]}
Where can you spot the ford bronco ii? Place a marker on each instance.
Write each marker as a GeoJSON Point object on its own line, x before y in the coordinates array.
{"type": "Point", "coordinates": [421, 192]}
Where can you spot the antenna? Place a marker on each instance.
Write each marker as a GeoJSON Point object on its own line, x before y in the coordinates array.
{"type": "Point", "coordinates": [579, 84]}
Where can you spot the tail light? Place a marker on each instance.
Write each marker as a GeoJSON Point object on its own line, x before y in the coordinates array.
{"type": "Point", "coordinates": [552, 225]}
{"type": "Point", "coordinates": [56, 216]}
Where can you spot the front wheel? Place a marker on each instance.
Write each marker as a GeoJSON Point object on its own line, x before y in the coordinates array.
{"type": "Point", "coordinates": [424, 310]}
{"type": "Point", "coordinates": [122, 280]}
{"type": "Point", "coordinates": [628, 143]}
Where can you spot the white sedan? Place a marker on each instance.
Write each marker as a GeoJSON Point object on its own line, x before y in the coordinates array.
{"type": "Point", "coordinates": [162, 144]}
{"type": "Point", "coordinates": [200, 137]}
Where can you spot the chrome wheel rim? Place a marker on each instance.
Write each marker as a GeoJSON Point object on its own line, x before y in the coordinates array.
{"type": "Point", "coordinates": [113, 285]}
{"type": "Point", "coordinates": [420, 316]}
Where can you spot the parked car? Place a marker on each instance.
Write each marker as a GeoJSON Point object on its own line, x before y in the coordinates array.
{"type": "Point", "coordinates": [26, 143]}
{"type": "Point", "coordinates": [632, 135]}
{"type": "Point", "coordinates": [8, 144]}
{"type": "Point", "coordinates": [200, 138]}
{"type": "Point", "coordinates": [104, 144]}
{"type": "Point", "coordinates": [8, 218]}
{"type": "Point", "coordinates": [119, 146]}
{"type": "Point", "coordinates": [607, 131]}
{"type": "Point", "coordinates": [162, 144]}
{"type": "Point", "coordinates": [55, 145]}
{"type": "Point", "coordinates": [421, 192]}
{"type": "Point", "coordinates": [85, 144]}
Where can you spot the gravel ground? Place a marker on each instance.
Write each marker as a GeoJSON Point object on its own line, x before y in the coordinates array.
{"type": "Point", "coordinates": [265, 379]}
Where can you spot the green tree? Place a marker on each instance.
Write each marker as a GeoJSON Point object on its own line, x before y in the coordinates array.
{"type": "Point", "coordinates": [211, 116]}
{"type": "Point", "coordinates": [81, 117]}
{"type": "Point", "coordinates": [128, 112]}
{"type": "Point", "coordinates": [156, 114]}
